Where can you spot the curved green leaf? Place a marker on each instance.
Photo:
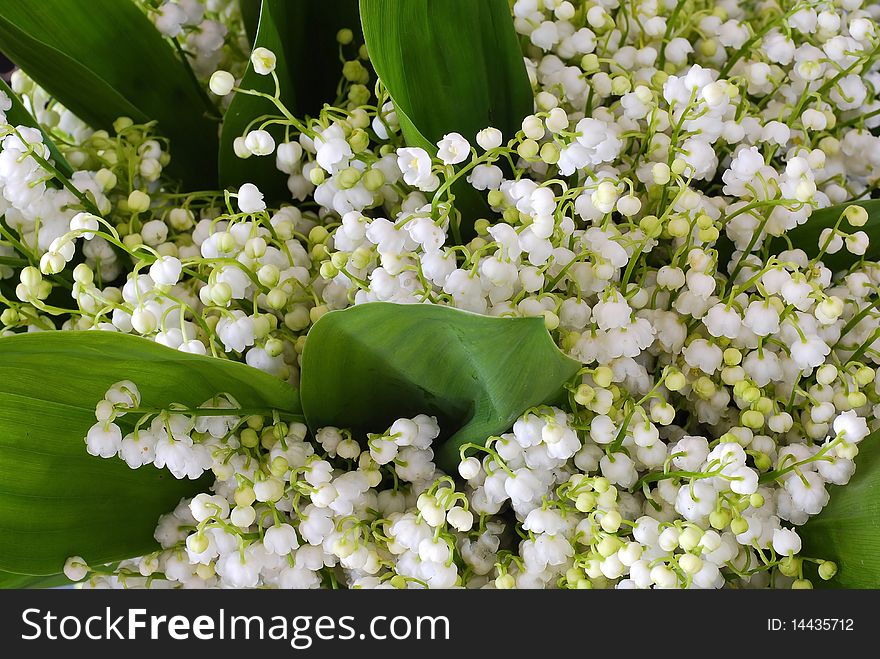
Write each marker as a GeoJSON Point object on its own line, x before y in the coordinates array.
{"type": "Point", "coordinates": [449, 65]}
{"type": "Point", "coordinates": [806, 236]}
{"type": "Point", "coordinates": [365, 366]}
{"type": "Point", "coordinates": [55, 499]}
{"type": "Point", "coordinates": [847, 531]}
{"type": "Point", "coordinates": [103, 59]}
{"type": "Point", "coordinates": [9, 580]}
{"type": "Point", "coordinates": [302, 34]}
{"type": "Point", "coordinates": [18, 115]}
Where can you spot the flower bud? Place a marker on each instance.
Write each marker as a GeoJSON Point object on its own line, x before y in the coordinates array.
{"type": "Point", "coordinates": [221, 83]}
{"type": "Point", "coordinates": [138, 201]}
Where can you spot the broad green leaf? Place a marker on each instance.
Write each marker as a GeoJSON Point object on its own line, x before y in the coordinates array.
{"type": "Point", "coordinates": [806, 236]}
{"type": "Point", "coordinates": [847, 531]}
{"type": "Point", "coordinates": [366, 366]}
{"type": "Point", "coordinates": [18, 115]}
{"type": "Point", "coordinates": [9, 580]}
{"type": "Point", "coordinates": [449, 65]}
{"type": "Point", "coordinates": [103, 59]}
{"type": "Point", "coordinates": [302, 34]}
{"type": "Point", "coordinates": [56, 500]}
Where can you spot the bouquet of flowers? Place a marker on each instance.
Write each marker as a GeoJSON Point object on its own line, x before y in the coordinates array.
{"type": "Point", "coordinates": [440, 293]}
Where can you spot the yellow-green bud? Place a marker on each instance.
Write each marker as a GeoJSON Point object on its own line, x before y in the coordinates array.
{"type": "Point", "coordinates": [373, 179]}
{"type": "Point", "coordinates": [249, 438]}
{"type": "Point", "coordinates": [354, 71]}
{"type": "Point", "coordinates": [752, 419]}
{"type": "Point", "coordinates": [719, 519]}
{"type": "Point", "coordinates": [676, 381]}
{"type": "Point", "coordinates": [790, 566]}
{"type": "Point", "coordinates": [732, 356]}
{"type": "Point", "coordinates": [584, 394]}
{"type": "Point", "coordinates": [602, 376]}
{"type": "Point", "coordinates": [550, 153]}
{"type": "Point", "coordinates": [827, 570]}
{"type": "Point", "coordinates": [138, 201]}
{"type": "Point", "coordinates": [590, 63]}
{"type": "Point", "coordinates": [318, 235]}
{"type": "Point", "coordinates": [496, 198]}
{"type": "Point", "coordinates": [348, 178]}
{"type": "Point", "coordinates": [359, 140]}
{"type": "Point", "coordinates": [528, 149]}
{"type": "Point", "coordinates": [739, 525]}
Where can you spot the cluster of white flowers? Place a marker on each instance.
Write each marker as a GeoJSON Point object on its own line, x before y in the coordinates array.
{"type": "Point", "coordinates": [292, 511]}
{"type": "Point", "coordinates": [202, 28]}
{"type": "Point", "coordinates": [644, 211]}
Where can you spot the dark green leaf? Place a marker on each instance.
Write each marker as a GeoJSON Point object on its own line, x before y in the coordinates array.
{"type": "Point", "coordinates": [366, 366]}
{"type": "Point", "coordinates": [318, 67]}
{"type": "Point", "coordinates": [103, 59]}
{"type": "Point", "coordinates": [56, 500]}
{"type": "Point", "coordinates": [244, 112]}
{"type": "Point", "coordinates": [806, 236]}
{"type": "Point", "coordinates": [302, 35]}
{"type": "Point", "coordinates": [449, 65]}
{"type": "Point", "coordinates": [847, 531]}
{"type": "Point", "coordinates": [18, 115]}
{"type": "Point", "coordinates": [250, 16]}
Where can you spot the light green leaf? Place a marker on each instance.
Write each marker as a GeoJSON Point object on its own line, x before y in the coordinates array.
{"type": "Point", "coordinates": [103, 59]}
{"type": "Point", "coordinates": [847, 531]}
{"type": "Point", "coordinates": [58, 501]}
{"type": "Point", "coordinates": [366, 366]}
{"type": "Point", "coordinates": [449, 65]}
{"type": "Point", "coordinates": [806, 236]}
{"type": "Point", "coordinates": [302, 35]}
{"type": "Point", "coordinates": [18, 115]}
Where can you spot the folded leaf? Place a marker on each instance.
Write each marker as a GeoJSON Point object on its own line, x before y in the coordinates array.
{"type": "Point", "coordinates": [806, 236]}
{"type": "Point", "coordinates": [18, 115]}
{"type": "Point", "coordinates": [848, 529]}
{"type": "Point", "coordinates": [103, 59]}
{"type": "Point", "coordinates": [302, 35]}
{"type": "Point", "coordinates": [450, 66]}
{"type": "Point", "coordinates": [366, 366]}
{"type": "Point", "coordinates": [56, 500]}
